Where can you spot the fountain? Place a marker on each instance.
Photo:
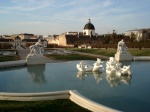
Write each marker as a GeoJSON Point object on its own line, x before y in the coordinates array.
{"type": "Point", "coordinates": [82, 66]}
{"type": "Point", "coordinates": [40, 79]}
{"type": "Point", "coordinates": [93, 85]}
{"type": "Point", "coordinates": [114, 67]}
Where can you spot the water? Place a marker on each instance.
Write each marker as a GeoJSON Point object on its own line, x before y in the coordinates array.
{"type": "Point", "coordinates": [128, 93]}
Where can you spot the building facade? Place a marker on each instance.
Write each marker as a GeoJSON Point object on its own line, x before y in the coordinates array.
{"type": "Point", "coordinates": [20, 41]}
{"type": "Point", "coordinates": [77, 39]}
{"type": "Point", "coordinates": [139, 34]}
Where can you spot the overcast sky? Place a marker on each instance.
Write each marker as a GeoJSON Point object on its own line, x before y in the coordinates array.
{"type": "Point", "coordinates": [48, 17]}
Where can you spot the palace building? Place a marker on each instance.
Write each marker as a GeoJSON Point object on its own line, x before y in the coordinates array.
{"type": "Point", "coordinates": [84, 39]}
{"type": "Point", "coordinates": [139, 34]}
{"type": "Point", "coordinates": [20, 41]}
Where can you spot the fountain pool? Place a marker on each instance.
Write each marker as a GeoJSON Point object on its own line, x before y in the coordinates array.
{"type": "Point", "coordinates": [125, 93]}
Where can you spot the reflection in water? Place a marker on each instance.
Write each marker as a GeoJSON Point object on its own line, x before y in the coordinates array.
{"type": "Point", "coordinates": [37, 73]}
{"type": "Point", "coordinates": [115, 80]}
{"type": "Point", "coordinates": [82, 75]}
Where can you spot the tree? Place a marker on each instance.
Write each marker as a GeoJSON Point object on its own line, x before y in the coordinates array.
{"type": "Point", "coordinates": [114, 36]}
{"type": "Point", "coordinates": [132, 37]}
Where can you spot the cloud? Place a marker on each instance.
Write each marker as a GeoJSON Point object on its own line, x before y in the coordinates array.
{"type": "Point", "coordinates": [106, 3]}
{"type": "Point", "coordinates": [28, 5]}
{"type": "Point", "coordinates": [67, 4]}
{"type": "Point", "coordinates": [73, 14]}
{"type": "Point", "coordinates": [4, 12]}
{"type": "Point", "coordinates": [30, 23]}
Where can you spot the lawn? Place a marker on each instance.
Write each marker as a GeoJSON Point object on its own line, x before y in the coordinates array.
{"type": "Point", "coordinates": [7, 58]}
{"type": "Point", "coordinates": [111, 52]}
{"type": "Point", "coordinates": [70, 57]}
{"type": "Point", "coordinates": [41, 106]}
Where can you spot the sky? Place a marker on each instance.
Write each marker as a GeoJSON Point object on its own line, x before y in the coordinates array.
{"type": "Point", "coordinates": [49, 17]}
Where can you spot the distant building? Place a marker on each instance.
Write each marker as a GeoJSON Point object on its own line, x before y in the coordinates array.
{"type": "Point", "coordinates": [139, 34]}
{"type": "Point", "coordinates": [22, 36]}
{"type": "Point", "coordinates": [84, 39]}
{"type": "Point", "coordinates": [20, 41]}
{"type": "Point", "coordinates": [89, 29]}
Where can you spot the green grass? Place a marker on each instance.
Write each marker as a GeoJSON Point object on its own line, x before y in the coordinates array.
{"type": "Point", "coordinates": [144, 52]}
{"type": "Point", "coordinates": [104, 52]}
{"type": "Point", "coordinates": [41, 106]}
{"type": "Point", "coordinates": [70, 57]}
{"type": "Point", "coordinates": [111, 52]}
{"type": "Point", "coordinates": [7, 58]}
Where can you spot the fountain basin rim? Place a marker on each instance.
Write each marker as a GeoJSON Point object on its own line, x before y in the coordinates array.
{"type": "Point", "coordinates": [72, 95]}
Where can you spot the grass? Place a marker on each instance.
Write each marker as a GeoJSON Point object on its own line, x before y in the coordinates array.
{"type": "Point", "coordinates": [7, 58]}
{"type": "Point", "coordinates": [70, 57]}
{"type": "Point", "coordinates": [144, 52]}
{"type": "Point", "coordinates": [104, 52]}
{"type": "Point", "coordinates": [111, 52]}
{"type": "Point", "coordinates": [41, 106]}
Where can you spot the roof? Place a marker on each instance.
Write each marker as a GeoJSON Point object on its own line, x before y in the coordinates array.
{"type": "Point", "coordinates": [89, 26]}
{"type": "Point", "coordinates": [5, 40]}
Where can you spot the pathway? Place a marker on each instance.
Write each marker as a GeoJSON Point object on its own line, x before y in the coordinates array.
{"type": "Point", "coordinates": [22, 53]}
{"type": "Point", "coordinates": [88, 54]}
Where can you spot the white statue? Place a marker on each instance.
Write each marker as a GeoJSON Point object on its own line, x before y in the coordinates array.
{"type": "Point", "coordinates": [114, 67]}
{"type": "Point", "coordinates": [82, 66]}
{"type": "Point", "coordinates": [122, 53]}
{"type": "Point", "coordinates": [38, 48]}
{"type": "Point", "coordinates": [121, 47]}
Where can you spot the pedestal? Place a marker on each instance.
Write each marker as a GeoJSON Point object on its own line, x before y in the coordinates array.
{"type": "Point", "coordinates": [35, 59]}
{"type": "Point", "coordinates": [123, 56]}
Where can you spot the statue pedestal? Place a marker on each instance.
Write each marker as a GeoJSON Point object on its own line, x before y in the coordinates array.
{"type": "Point", "coordinates": [35, 59]}
{"type": "Point", "coordinates": [123, 56]}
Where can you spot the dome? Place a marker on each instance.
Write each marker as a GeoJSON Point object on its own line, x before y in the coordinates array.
{"type": "Point", "coordinates": [89, 26]}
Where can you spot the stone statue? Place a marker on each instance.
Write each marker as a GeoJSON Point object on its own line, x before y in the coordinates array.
{"type": "Point", "coordinates": [114, 67]}
{"type": "Point", "coordinates": [82, 66]}
{"type": "Point", "coordinates": [36, 49]}
{"type": "Point", "coordinates": [36, 57]}
{"type": "Point", "coordinates": [122, 53]}
{"type": "Point", "coordinates": [121, 47]}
